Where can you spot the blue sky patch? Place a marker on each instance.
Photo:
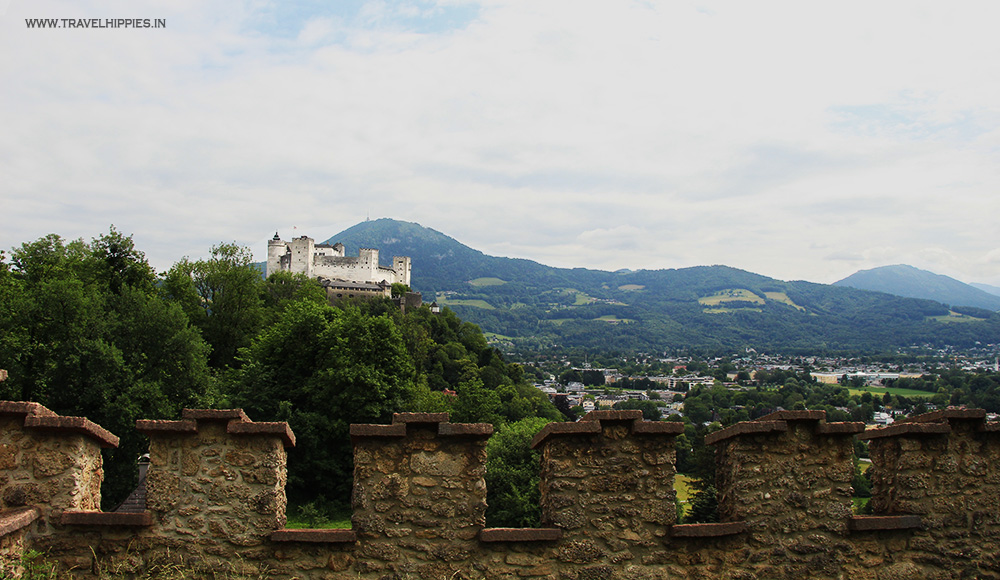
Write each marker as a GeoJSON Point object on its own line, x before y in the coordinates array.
{"type": "Point", "coordinates": [286, 19]}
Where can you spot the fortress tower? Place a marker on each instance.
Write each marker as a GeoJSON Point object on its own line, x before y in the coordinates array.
{"type": "Point", "coordinates": [303, 256]}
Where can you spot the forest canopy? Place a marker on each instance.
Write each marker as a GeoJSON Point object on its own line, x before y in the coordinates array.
{"type": "Point", "coordinates": [90, 329]}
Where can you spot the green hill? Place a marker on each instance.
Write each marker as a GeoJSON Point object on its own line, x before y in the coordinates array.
{"type": "Point", "coordinates": [705, 307]}
{"type": "Point", "coordinates": [903, 280]}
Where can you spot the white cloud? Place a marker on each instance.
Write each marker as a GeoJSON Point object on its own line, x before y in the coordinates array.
{"type": "Point", "coordinates": [786, 138]}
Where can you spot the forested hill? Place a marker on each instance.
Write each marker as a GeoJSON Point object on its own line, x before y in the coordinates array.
{"type": "Point", "coordinates": [903, 280]}
{"type": "Point", "coordinates": [441, 263]}
{"type": "Point", "coordinates": [705, 307]}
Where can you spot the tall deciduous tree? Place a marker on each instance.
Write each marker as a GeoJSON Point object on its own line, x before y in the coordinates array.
{"type": "Point", "coordinates": [82, 332]}
{"type": "Point", "coordinates": [512, 475]}
{"type": "Point", "coordinates": [222, 297]}
{"type": "Point", "coordinates": [322, 368]}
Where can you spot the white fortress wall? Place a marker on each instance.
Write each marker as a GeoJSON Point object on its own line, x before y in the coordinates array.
{"type": "Point", "coordinates": [303, 256]}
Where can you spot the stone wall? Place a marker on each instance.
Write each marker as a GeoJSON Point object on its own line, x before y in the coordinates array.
{"type": "Point", "coordinates": [216, 474]}
{"type": "Point", "coordinates": [216, 500]}
{"type": "Point", "coordinates": [48, 461]}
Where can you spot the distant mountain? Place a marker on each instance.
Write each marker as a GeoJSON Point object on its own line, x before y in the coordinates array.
{"type": "Point", "coordinates": [902, 280]}
{"type": "Point", "coordinates": [705, 308]}
{"type": "Point", "coordinates": [442, 263]}
{"type": "Point", "coordinates": [995, 290]}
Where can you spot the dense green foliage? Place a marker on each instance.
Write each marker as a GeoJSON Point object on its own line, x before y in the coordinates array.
{"type": "Point", "coordinates": [83, 332]}
{"type": "Point", "coordinates": [88, 329]}
{"type": "Point", "coordinates": [512, 475]}
{"type": "Point", "coordinates": [221, 296]}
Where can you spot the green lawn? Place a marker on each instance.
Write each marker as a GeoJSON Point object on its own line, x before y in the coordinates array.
{"type": "Point", "coordinates": [859, 503]}
{"type": "Point", "coordinates": [579, 298]}
{"type": "Point", "coordinates": [892, 391]}
{"type": "Point", "coordinates": [613, 318]}
{"type": "Point", "coordinates": [783, 298]}
{"type": "Point", "coordinates": [730, 295]}
{"type": "Point", "coordinates": [605, 318]}
{"type": "Point", "coordinates": [487, 282]}
{"type": "Point", "coordinates": [682, 485]}
{"type": "Point", "coordinates": [338, 524]}
{"type": "Point", "coordinates": [953, 316]}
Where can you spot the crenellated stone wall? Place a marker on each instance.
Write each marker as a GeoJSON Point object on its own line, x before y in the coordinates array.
{"type": "Point", "coordinates": [215, 500]}
{"type": "Point", "coordinates": [607, 483]}
{"type": "Point", "coordinates": [787, 477]}
{"type": "Point", "coordinates": [53, 463]}
{"type": "Point", "coordinates": [944, 467]}
{"type": "Point", "coordinates": [419, 495]}
{"type": "Point", "coordinates": [216, 474]}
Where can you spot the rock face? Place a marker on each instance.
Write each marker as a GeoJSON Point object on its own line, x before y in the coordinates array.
{"type": "Point", "coordinates": [215, 500]}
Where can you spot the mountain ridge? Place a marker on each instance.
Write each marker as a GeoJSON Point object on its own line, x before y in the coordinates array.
{"type": "Point", "coordinates": [911, 282]}
{"type": "Point", "coordinates": [710, 308]}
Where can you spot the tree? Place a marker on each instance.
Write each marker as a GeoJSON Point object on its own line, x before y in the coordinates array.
{"type": "Point", "coordinates": [283, 288]}
{"type": "Point", "coordinates": [704, 506]}
{"type": "Point", "coordinates": [592, 378]}
{"type": "Point", "coordinates": [222, 297]}
{"type": "Point", "coordinates": [650, 411]}
{"type": "Point", "coordinates": [561, 403]}
{"type": "Point", "coordinates": [83, 333]}
{"type": "Point", "coordinates": [512, 475]}
{"type": "Point", "coordinates": [570, 376]}
{"type": "Point", "coordinates": [119, 265]}
{"type": "Point", "coordinates": [322, 368]}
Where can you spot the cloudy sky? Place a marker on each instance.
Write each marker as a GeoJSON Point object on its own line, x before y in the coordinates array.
{"type": "Point", "coordinates": [799, 140]}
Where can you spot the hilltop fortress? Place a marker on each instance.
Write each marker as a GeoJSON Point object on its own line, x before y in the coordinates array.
{"type": "Point", "coordinates": [303, 255]}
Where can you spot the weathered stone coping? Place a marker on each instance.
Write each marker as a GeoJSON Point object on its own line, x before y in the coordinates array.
{"type": "Point", "coordinates": [400, 422]}
{"type": "Point", "coordinates": [855, 524]}
{"type": "Point", "coordinates": [158, 426]}
{"type": "Point", "coordinates": [15, 519]}
{"type": "Point", "coordinates": [237, 424]}
{"type": "Point", "coordinates": [315, 536]}
{"type": "Point", "coordinates": [279, 428]}
{"type": "Point", "coordinates": [800, 415]}
{"type": "Point", "coordinates": [591, 424]}
{"type": "Point", "coordinates": [745, 428]}
{"type": "Point", "coordinates": [945, 414]}
{"type": "Point", "coordinates": [874, 523]}
{"type": "Point", "coordinates": [713, 530]}
{"type": "Point", "coordinates": [778, 421]}
{"type": "Point", "coordinates": [215, 415]}
{"type": "Point", "coordinates": [907, 429]}
{"type": "Point", "coordinates": [520, 534]}
{"type": "Point", "coordinates": [88, 518]}
{"type": "Point", "coordinates": [37, 417]}
{"type": "Point", "coordinates": [934, 423]}
{"type": "Point", "coordinates": [24, 408]}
